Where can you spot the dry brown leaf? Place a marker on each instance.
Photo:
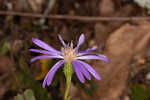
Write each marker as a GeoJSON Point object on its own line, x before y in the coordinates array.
{"type": "Point", "coordinates": [103, 30]}
{"type": "Point", "coordinates": [106, 7]}
{"type": "Point", "coordinates": [122, 47]}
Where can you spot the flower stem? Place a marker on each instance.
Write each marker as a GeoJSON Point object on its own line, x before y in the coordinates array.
{"type": "Point", "coordinates": [68, 71]}
{"type": "Point", "coordinates": [67, 97]}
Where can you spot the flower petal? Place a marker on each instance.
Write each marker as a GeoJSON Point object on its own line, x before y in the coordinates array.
{"type": "Point", "coordinates": [45, 46]}
{"type": "Point", "coordinates": [88, 51]}
{"type": "Point", "coordinates": [44, 57]}
{"type": "Point", "coordinates": [78, 72]}
{"type": "Point", "coordinates": [51, 73]}
{"type": "Point", "coordinates": [80, 42]}
{"type": "Point", "coordinates": [85, 53]}
{"type": "Point", "coordinates": [98, 57]}
{"type": "Point", "coordinates": [62, 41]}
{"type": "Point", "coordinates": [83, 70]}
{"type": "Point", "coordinates": [41, 51]}
{"type": "Point", "coordinates": [91, 49]}
{"type": "Point", "coordinates": [90, 69]}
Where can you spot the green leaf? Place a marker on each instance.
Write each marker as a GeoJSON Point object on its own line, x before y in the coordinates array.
{"type": "Point", "coordinates": [87, 91]}
{"type": "Point", "coordinates": [139, 92]}
{"type": "Point", "coordinates": [26, 81]}
{"type": "Point", "coordinates": [19, 97]}
{"type": "Point", "coordinates": [29, 95]}
{"type": "Point", "coordinates": [4, 47]}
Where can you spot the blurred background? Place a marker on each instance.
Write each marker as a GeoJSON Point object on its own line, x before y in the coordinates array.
{"type": "Point", "coordinates": [124, 41]}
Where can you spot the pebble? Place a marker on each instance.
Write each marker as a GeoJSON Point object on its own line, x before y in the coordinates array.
{"type": "Point", "coordinates": [148, 76]}
{"type": "Point", "coordinates": [126, 98]}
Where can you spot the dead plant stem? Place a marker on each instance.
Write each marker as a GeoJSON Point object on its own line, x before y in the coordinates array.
{"type": "Point", "coordinates": [70, 17]}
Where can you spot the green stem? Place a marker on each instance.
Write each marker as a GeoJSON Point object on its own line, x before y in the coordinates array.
{"type": "Point", "coordinates": [68, 71]}
{"type": "Point", "coordinates": [66, 97]}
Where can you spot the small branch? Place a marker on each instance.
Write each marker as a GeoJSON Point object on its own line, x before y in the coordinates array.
{"type": "Point", "coordinates": [69, 17]}
{"type": "Point", "coordinates": [50, 6]}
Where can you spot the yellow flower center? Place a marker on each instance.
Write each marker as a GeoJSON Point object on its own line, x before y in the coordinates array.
{"type": "Point", "coordinates": [69, 53]}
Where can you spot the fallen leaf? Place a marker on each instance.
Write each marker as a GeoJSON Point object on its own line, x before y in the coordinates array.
{"type": "Point", "coordinates": [122, 47]}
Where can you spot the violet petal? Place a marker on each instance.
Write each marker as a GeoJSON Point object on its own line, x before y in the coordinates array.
{"type": "Point", "coordinates": [97, 57]}
{"type": "Point", "coordinates": [49, 77]}
{"type": "Point", "coordinates": [41, 51]}
{"type": "Point", "coordinates": [44, 57]}
{"type": "Point", "coordinates": [91, 49]}
{"type": "Point", "coordinates": [78, 72]}
{"type": "Point", "coordinates": [62, 41]}
{"type": "Point", "coordinates": [45, 46]}
{"type": "Point", "coordinates": [80, 42]}
{"type": "Point", "coordinates": [87, 51]}
{"type": "Point", "coordinates": [84, 70]}
{"type": "Point", "coordinates": [90, 69]}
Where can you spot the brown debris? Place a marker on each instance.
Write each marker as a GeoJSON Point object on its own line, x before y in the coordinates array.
{"type": "Point", "coordinates": [106, 7]}
{"type": "Point", "coordinates": [5, 75]}
{"type": "Point", "coordinates": [122, 47]}
{"type": "Point", "coordinates": [126, 45]}
{"type": "Point", "coordinates": [103, 29]}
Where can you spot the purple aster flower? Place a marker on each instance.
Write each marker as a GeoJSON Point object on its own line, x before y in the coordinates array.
{"type": "Point", "coordinates": [68, 54]}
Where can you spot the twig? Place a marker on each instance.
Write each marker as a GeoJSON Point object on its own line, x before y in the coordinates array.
{"type": "Point", "coordinates": [69, 17]}
{"type": "Point", "coordinates": [50, 6]}
{"type": "Point", "coordinates": [47, 10]}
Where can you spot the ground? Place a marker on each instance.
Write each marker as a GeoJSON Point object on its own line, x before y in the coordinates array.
{"type": "Point", "coordinates": [124, 42]}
